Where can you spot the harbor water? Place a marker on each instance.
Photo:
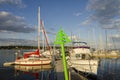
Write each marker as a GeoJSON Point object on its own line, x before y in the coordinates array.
{"type": "Point", "coordinates": [108, 69]}
{"type": "Point", "coordinates": [16, 72]}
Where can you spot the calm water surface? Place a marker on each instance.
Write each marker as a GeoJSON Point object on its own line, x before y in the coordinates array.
{"type": "Point", "coordinates": [23, 72]}
{"type": "Point", "coordinates": [109, 69]}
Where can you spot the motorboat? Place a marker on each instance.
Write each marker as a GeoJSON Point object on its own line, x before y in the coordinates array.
{"type": "Point", "coordinates": [81, 60]}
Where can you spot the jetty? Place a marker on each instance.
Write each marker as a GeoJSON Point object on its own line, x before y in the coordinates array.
{"type": "Point", "coordinates": [72, 74]}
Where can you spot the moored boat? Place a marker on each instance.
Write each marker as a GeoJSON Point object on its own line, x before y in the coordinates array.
{"type": "Point", "coordinates": [32, 59]}
{"type": "Point", "coordinates": [80, 58]}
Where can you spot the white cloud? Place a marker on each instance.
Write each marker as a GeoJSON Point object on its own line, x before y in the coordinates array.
{"type": "Point", "coordinates": [9, 22]}
{"type": "Point", "coordinates": [86, 22]}
{"type": "Point", "coordinates": [18, 3]}
{"type": "Point", "coordinates": [115, 36]}
{"type": "Point", "coordinates": [10, 41]}
{"type": "Point", "coordinates": [78, 14]}
{"type": "Point", "coordinates": [104, 11]}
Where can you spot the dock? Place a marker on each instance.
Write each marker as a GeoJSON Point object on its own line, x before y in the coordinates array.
{"type": "Point", "coordinates": [8, 63]}
{"type": "Point", "coordinates": [60, 72]}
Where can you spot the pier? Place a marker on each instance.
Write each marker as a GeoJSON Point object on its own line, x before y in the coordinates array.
{"type": "Point", "coordinates": [72, 74]}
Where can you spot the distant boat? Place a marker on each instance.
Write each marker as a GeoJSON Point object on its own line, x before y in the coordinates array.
{"type": "Point", "coordinates": [34, 58]}
{"type": "Point", "coordinates": [80, 58]}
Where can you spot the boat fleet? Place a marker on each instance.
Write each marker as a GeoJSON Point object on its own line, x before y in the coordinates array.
{"type": "Point", "coordinates": [79, 58]}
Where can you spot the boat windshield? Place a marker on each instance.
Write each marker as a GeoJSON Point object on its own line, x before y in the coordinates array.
{"type": "Point", "coordinates": [82, 56]}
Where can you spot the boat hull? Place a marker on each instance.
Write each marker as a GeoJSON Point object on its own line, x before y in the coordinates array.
{"type": "Point", "coordinates": [87, 66]}
{"type": "Point", "coordinates": [32, 68]}
{"type": "Point", "coordinates": [32, 62]}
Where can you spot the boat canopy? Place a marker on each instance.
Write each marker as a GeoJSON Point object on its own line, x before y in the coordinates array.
{"type": "Point", "coordinates": [79, 42]}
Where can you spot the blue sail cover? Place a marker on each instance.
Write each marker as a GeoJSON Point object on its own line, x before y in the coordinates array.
{"type": "Point", "coordinates": [79, 44]}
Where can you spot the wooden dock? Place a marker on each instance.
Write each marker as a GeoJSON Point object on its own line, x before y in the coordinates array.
{"type": "Point", "coordinates": [8, 64]}
{"type": "Point", "coordinates": [72, 73]}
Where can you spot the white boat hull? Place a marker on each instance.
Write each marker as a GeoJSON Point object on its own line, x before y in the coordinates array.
{"type": "Point", "coordinates": [87, 66]}
{"type": "Point", "coordinates": [32, 62]}
{"type": "Point", "coordinates": [32, 68]}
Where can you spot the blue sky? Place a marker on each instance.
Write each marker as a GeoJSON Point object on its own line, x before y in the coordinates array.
{"type": "Point", "coordinates": [85, 19]}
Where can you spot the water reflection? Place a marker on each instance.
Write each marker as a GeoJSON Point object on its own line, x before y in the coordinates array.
{"type": "Point", "coordinates": [109, 69]}
{"type": "Point", "coordinates": [40, 72]}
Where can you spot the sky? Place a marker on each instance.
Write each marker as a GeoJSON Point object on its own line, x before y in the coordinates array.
{"type": "Point", "coordinates": [87, 20]}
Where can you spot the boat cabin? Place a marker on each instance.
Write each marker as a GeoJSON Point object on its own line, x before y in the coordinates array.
{"type": "Point", "coordinates": [80, 51]}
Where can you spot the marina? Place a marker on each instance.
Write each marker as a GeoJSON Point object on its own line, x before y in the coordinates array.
{"type": "Point", "coordinates": [108, 69]}
{"type": "Point", "coordinates": [60, 40]}
{"type": "Point", "coordinates": [16, 72]}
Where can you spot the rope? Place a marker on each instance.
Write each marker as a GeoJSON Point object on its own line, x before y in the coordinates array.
{"type": "Point", "coordinates": [45, 36]}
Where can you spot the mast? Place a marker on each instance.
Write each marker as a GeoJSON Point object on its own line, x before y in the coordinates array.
{"type": "Point", "coordinates": [39, 28]}
{"type": "Point", "coordinates": [94, 39]}
{"type": "Point", "coordinates": [101, 43]}
{"type": "Point", "coordinates": [106, 39]}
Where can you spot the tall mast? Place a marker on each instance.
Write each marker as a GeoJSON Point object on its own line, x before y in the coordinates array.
{"type": "Point", "coordinates": [94, 39]}
{"type": "Point", "coordinates": [101, 41]}
{"type": "Point", "coordinates": [106, 39]}
{"type": "Point", "coordinates": [39, 28]}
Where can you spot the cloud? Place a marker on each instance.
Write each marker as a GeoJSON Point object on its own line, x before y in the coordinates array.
{"type": "Point", "coordinates": [18, 3]}
{"type": "Point", "coordinates": [10, 41]}
{"type": "Point", "coordinates": [9, 22]}
{"type": "Point", "coordinates": [115, 38]}
{"type": "Point", "coordinates": [86, 22]}
{"type": "Point", "coordinates": [113, 24]}
{"type": "Point", "coordinates": [104, 11]}
{"type": "Point", "coordinates": [78, 14]}
{"type": "Point", "coordinates": [51, 32]}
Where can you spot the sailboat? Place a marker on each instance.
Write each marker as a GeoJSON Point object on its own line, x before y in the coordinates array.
{"type": "Point", "coordinates": [34, 58]}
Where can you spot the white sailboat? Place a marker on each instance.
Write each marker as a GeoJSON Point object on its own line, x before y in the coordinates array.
{"type": "Point", "coordinates": [34, 58]}
{"type": "Point", "coordinates": [32, 68]}
{"type": "Point", "coordinates": [80, 59]}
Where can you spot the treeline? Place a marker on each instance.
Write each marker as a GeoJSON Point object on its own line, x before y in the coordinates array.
{"type": "Point", "coordinates": [18, 47]}
{"type": "Point", "coordinates": [28, 47]}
